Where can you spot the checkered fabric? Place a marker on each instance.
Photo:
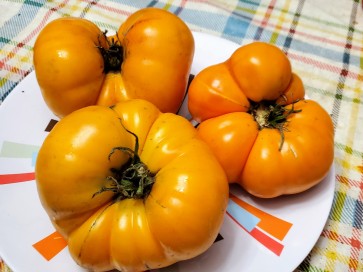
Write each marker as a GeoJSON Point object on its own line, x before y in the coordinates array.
{"type": "Point", "coordinates": [324, 41]}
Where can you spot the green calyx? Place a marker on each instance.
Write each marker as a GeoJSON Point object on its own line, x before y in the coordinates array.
{"type": "Point", "coordinates": [272, 116]}
{"type": "Point", "coordinates": [131, 180]}
{"type": "Point", "coordinates": [112, 55]}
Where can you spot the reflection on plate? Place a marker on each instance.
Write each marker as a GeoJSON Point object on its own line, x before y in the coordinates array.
{"type": "Point", "coordinates": [257, 235]}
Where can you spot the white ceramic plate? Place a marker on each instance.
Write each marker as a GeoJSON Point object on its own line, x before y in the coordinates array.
{"type": "Point", "coordinates": [273, 235]}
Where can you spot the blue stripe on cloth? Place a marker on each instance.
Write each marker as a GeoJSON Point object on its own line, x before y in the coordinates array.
{"type": "Point", "coordinates": [4, 40]}
{"type": "Point", "coordinates": [307, 48]}
{"type": "Point", "coordinates": [151, 4]}
{"type": "Point", "coordinates": [20, 21]}
{"type": "Point", "coordinates": [239, 22]}
{"type": "Point", "coordinates": [204, 19]}
{"type": "Point", "coordinates": [235, 29]}
{"type": "Point", "coordinates": [347, 210]}
{"type": "Point", "coordinates": [322, 52]}
{"type": "Point", "coordinates": [358, 215]}
{"type": "Point", "coordinates": [6, 89]}
{"type": "Point", "coordinates": [347, 61]}
{"type": "Point", "coordinates": [132, 4]}
{"type": "Point", "coordinates": [249, 4]}
{"type": "Point", "coordinates": [38, 3]}
{"type": "Point", "coordinates": [294, 24]}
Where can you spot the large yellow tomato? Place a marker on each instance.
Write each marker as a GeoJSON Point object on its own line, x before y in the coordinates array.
{"type": "Point", "coordinates": [254, 117]}
{"type": "Point", "coordinates": [77, 65]}
{"type": "Point", "coordinates": [130, 187]}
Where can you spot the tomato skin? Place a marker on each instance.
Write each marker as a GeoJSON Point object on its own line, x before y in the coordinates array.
{"type": "Point", "coordinates": [156, 57]}
{"type": "Point", "coordinates": [261, 70]}
{"type": "Point", "coordinates": [214, 92]}
{"type": "Point", "coordinates": [253, 159]}
{"type": "Point", "coordinates": [254, 72]}
{"type": "Point", "coordinates": [227, 133]}
{"type": "Point", "coordinates": [113, 90]}
{"type": "Point", "coordinates": [71, 141]}
{"type": "Point", "coordinates": [132, 234]}
{"type": "Point", "coordinates": [281, 144]}
{"type": "Point", "coordinates": [158, 54]}
{"type": "Point", "coordinates": [68, 65]}
{"type": "Point", "coordinates": [293, 93]}
{"type": "Point", "coordinates": [305, 158]}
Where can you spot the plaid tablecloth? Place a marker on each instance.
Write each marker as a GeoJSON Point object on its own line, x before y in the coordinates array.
{"type": "Point", "coordinates": [324, 41]}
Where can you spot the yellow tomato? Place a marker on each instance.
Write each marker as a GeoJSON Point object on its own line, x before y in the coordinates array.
{"type": "Point", "coordinates": [77, 65]}
{"type": "Point", "coordinates": [254, 117]}
{"type": "Point", "coordinates": [131, 188]}
{"type": "Point", "coordinates": [68, 65]}
{"type": "Point", "coordinates": [269, 162]}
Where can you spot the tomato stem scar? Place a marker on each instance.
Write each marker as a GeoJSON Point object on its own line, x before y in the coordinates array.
{"type": "Point", "coordinates": [272, 115]}
{"type": "Point", "coordinates": [131, 180]}
{"type": "Point", "coordinates": [112, 55]}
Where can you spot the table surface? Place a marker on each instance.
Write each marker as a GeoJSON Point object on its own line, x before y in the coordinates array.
{"type": "Point", "coordinates": [324, 41]}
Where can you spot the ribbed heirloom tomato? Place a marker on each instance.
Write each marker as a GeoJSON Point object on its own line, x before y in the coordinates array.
{"type": "Point", "coordinates": [254, 117]}
{"type": "Point", "coordinates": [130, 187]}
{"type": "Point", "coordinates": [77, 65]}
